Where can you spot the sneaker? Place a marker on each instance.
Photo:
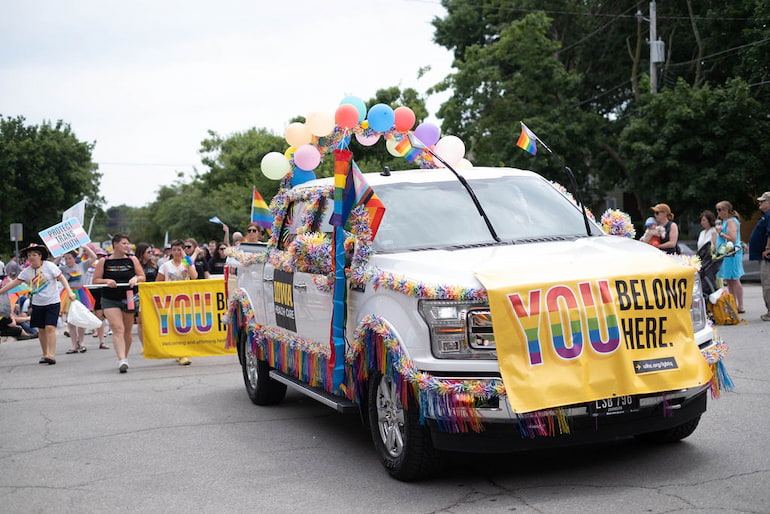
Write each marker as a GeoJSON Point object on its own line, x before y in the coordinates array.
{"type": "Point", "coordinates": [765, 317]}
{"type": "Point", "coordinates": [183, 361]}
{"type": "Point", "coordinates": [123, 366]}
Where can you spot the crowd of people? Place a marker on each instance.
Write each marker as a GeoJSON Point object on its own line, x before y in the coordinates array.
{"type": "Point", "coordinates": [722, 232]}
{"type": "Point", "coordinates": [106, 282]}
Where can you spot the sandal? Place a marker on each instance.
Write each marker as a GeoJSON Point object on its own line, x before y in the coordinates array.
{"type": "Point", "coordinates": [103, 346]}
{"type": "Point", "coordinates": [82, 349]}
{"type": "Point", "coordinates": [72, 350]}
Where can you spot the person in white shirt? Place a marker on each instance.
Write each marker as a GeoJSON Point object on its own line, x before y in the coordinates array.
{"type": "Point", "coordinates": [41, 276]}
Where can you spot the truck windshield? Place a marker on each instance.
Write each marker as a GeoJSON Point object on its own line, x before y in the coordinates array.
{"type": "Point", "coordinates": [442, 214]}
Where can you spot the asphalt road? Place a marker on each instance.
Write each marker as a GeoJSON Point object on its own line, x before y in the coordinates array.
{"type": "Point", "coordinates": [80, 437]}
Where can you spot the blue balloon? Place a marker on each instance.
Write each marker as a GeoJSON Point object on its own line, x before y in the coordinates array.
{"type": "Point", "coordinates": [358, 104]}
{"type": "Point", "coordinates": [301, 176]}
{"type": "Point", "coordinates": [381, 118]}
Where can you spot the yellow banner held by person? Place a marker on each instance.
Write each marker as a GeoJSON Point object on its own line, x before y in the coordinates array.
{"type": "Point", "coordinates": [183, 318]}
{"type": "Point", "coordinates": [600, 330]}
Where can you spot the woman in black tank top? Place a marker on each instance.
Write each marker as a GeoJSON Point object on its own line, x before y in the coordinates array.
{"type": "Point", "coordinates": [121, 272]}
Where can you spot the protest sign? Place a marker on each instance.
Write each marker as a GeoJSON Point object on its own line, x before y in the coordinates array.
{"type": "Point", "coordinates": [64, 237]}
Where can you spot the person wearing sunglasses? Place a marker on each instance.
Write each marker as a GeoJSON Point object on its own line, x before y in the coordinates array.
{"type": "Point", "coordinates": [669, 234]}
{"type": "Point", "coordinates": [198, 256]}
{"type": "Point", "coordinates": [218, 260]}
{"type": "Point", "coordinates": [727, 239]}
{"type": "Point", "coordinates": [254, 233]}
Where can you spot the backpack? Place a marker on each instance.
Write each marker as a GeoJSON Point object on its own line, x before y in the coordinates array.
{"type": "Point", "coordinates": [725, 310]}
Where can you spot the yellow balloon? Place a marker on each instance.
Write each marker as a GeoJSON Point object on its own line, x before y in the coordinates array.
{"type": "Point", "coordinates": [289, 152]}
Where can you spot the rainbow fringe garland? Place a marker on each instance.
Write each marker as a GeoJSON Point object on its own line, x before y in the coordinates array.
{"type": "Point", "coordinates": [452, 403]}
{"type": "Point", "coordinates": [720, 380]}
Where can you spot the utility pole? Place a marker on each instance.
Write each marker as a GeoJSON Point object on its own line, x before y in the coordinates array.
{"type": "Point", "coordinates": [657, 48]}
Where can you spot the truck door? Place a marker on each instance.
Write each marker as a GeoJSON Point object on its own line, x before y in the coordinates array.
{"type": "Point", "coordinates": [294, 301]}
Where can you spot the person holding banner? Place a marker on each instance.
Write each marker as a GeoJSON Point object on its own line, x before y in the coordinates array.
{"type": "Point", "coordinates": [40, 275]}
{"type": "Point", "coordinates": [180, 267]}
{"type": "Point", "coordinates": [120, 272]}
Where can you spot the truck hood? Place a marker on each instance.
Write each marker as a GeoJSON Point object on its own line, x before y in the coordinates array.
{"type": "Point", "coordinates": [540, 261]}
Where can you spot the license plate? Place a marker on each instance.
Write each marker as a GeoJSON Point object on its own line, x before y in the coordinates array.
{"type": "Point", "coordinates": [614, 405]}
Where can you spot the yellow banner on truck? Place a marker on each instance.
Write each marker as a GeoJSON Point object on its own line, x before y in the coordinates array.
{"type": "Point", "coordinates": [599, 331]}
{"type": "Point", "coordinates": [183, 318]}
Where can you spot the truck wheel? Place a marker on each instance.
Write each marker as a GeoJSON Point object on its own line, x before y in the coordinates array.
{"type": "Point", "coordinates": [671, 435]}
{"type": "Point", "coordinates": [262, 389]}
{"type": "Point", "coordinates": [404, 446]}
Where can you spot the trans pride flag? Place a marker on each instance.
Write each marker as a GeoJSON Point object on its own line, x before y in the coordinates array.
{"type": "Point", "coordinates": [260, 214]}
{"type": "Point", "coordinates": [352, 190]}
{"type": "Point", "coordinates": [527, 140]}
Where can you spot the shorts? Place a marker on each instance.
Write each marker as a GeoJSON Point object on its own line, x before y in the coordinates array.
{"type": "Point", "coordinates": [108, 303]}
{"type": "Point", "coordinates": [44, 315]}
{"type": "Point", "coordinates": [97, 294]}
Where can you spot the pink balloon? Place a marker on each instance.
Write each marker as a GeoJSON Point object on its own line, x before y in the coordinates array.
{"type": "Point", "coordinates": [307, 157]}
{"type": "Point", "coordinates": [367, 140]}
{"type": "Point", "coordinates": [427, 133]}
{"type": "Point", "coordinates": [404, 118]}
{"type": "Point", "coordinates": [346, 116]}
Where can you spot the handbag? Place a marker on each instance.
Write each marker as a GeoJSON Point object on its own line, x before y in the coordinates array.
{"type": "Point", "coordinates": [79, 315]}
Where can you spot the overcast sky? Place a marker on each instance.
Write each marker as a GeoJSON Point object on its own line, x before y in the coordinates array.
{"type": "Point", "coordinates": [145, 80]}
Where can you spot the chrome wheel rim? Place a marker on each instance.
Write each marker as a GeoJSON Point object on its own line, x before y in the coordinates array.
{"type": "Point", "coordinates": [251, 368]}
{"type": "Point", "coordinates": [390, 417]}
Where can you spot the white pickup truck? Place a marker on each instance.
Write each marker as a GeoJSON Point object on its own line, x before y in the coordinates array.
{"type": "Point", "coordinates": [510, 322]}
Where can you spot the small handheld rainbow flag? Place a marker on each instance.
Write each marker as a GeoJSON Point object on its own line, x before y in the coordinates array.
{"type": "Point", "coordinates": [260, 214]}
{"type": "Point", "coordinates": [527, 140]}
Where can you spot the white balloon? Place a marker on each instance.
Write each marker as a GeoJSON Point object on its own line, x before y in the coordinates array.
{"type": "Point", "coordinates": [464, 163]}
{"type": "Point", "coordinates": [451, 149]}
{"type": "Point", "coordinates": [275, 165]}
{"type": "Point", "coordinates": [320, 123]}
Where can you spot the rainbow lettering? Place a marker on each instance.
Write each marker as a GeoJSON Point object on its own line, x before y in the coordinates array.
{"type": "Point", "coordinates": [569, 314]}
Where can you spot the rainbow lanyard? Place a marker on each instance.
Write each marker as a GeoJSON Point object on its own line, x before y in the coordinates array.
{"type": "Point", "coordinates": [37, 283]}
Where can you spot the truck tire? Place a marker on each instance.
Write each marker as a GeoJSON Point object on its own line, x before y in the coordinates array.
{"type": "Point", "coordinates": [262, 389]}
{"type": "Point", "coordinates": [403, 445]}
{"type": "Point", "coordinates": [671, 435]}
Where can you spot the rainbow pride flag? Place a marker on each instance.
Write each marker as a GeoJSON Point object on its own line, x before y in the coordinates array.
{"type": "Point", "coordinates": [527, 140]}
{"type": "Point", "coordinates": [260, 214]}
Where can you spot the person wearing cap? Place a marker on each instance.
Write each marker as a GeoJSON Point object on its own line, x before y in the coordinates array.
{"type": "Point", "coordinates": [651, 234]}
{"type": "Point", "coordinates": [669, 237]}
{"type": "Point", "coordinates": [40, 276]}
{"type": "Point", "coordinates": [759, 249]}
{"type": "Point", "coordinates": [709, 223]}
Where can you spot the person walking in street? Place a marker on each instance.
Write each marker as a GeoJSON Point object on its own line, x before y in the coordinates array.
{"type": "Point", "coordinates": [728, 239]}
{"type": "Point", "coordinates": [40, 275]}
{"type": "Point", "coordinates": [759, 249]}
{"type": "Point", "coordinates": [180, 267]}
{"type": "Point", "coordinates": [75, 271]}
{"type": "Point", "coordinates": [121, 272]}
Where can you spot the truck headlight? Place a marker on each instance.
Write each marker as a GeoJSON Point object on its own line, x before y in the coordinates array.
{"type": "Point", "coordinates": [698, 307]}
{"type": "Point", "coordinates": [459, 330]}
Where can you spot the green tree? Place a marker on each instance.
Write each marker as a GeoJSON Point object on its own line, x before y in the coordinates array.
{"type": "Point", "coordinates": [693, 147]}
{"type": "Point", "coordinates": [45, 171]}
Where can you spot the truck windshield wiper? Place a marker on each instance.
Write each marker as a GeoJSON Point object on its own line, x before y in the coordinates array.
{"type": "Point", "coordinates": [468, 188]}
